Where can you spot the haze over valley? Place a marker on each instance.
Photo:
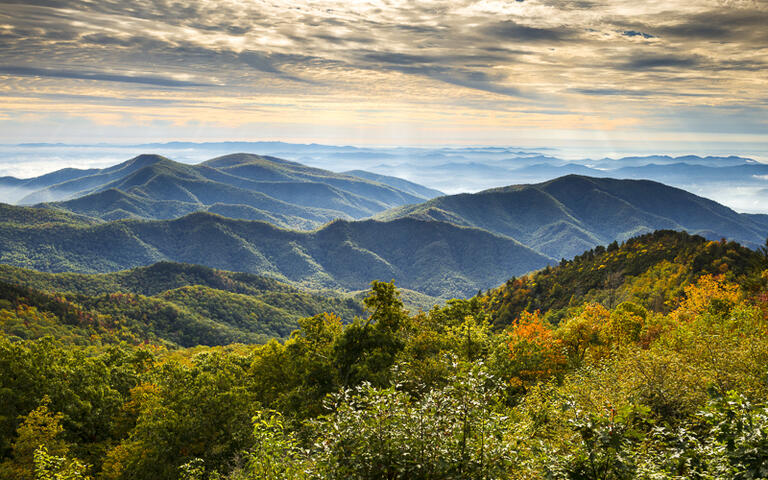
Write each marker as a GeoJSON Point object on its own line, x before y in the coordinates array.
{"type": "Point", "coordinates": [739, 181]}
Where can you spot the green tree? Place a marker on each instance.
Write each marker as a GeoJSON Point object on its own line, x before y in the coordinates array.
{"type": "Point", "coordinates": [367, 349]}
{"type": "Point", "coordinates": [52, 467]}
{"type": "Point", "coordinates": [40, 428]}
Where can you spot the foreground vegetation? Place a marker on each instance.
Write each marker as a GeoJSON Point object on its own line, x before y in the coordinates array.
{"type": "Point", "coordinates": [611, 384]}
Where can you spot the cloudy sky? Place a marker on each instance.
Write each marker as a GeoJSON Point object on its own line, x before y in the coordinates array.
{"type": "Point", "coordinates": [667, 72]}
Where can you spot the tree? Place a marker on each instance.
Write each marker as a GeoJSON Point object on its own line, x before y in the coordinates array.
{"type": "Point", "coordinates": [308, 361]}
{"type": "Point", "coordinates": [52, 467]}
{"type": "Point", "coordinates": [276, 454]}
{"type": "Point", "coordinates": [534, 353]}
{"type": "Point", "coordinates": [710, 294]}
{"type": "Point", "coordinates": [625, 324]}
{"type": "Point", "coordinates": [447, 433]}
{"type": "Point", "coordinates": [41, 428]}
{"type": "Point", "coordinates": [581, 335]}
{"type": "Point", "coordinates": [202, 410]}
{"type": "Point", "coordinates": [367, 349]}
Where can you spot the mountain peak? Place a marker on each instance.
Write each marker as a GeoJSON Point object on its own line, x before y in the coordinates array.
{"type": "Point", "coordinates": [145, 159]}
{"type": "Point", "coordinates": [235, 159]}
{"type": "Point", "coordinates": [574, 212]}
{"type": "Point", "coordinates": [135, 163]}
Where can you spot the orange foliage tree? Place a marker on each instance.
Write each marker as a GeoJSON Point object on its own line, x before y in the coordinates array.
{"type": "Point", "coordinates": [535, 353]}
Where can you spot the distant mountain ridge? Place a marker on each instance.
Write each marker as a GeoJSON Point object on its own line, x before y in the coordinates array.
{"type": "Point", "coordinates": [285, 193]}
{"type": "Point", "coordinates": [705, 175]}
{"type": "Point", "coordinates": [709, 160]}
{"type": "Point", "coordinates": [399, 183]}
{"type": "Point", "coordinates": [435, 258]}
{"type": "Point", "coordinates": [565, 216]}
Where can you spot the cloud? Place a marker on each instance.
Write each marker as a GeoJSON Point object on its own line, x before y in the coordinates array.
{"type": "Point", "coordinates": [111, 40]}
{"type": "Point", "coordinates": [627, 92]}
{"type": "Point", "coordinates": [103, 99]}
{"type": "Point", "coordinates": [633, 33]}
{"type": "Point", "coordinates": [382, 62]}
{"type": "Point", "coordinates": [648, 62]}
{"type": "Point", "coordinates": [104, 77]}
{"type": "Point", "coordinates": [397, 58]}
{"type": "Point", "coordinates": [474, 79]}
{"type": "Point", "coordinates": [720, 24]}
{"type": "Point", "coordinates": [511, 30]}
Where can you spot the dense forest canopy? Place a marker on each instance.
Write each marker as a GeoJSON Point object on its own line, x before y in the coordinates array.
{"type": "Point", "coordinates": [641, 360]}
{"type": "Point", "coordinates": [167, 303]}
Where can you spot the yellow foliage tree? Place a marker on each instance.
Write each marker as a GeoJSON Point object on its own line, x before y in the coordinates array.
{"type": "Point", "coordinates": [709, 294]}
{"type": "Point", "coordinates": [581, 335]}
{"type": "Point", "coordinates": [40, 428]}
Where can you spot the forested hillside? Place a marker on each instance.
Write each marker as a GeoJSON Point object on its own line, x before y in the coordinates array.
{"type": "Point", "coordinates": [450, 246]}
{"type": "Point", "coordinates": [651, 270]}
{"type": "Point", "coordinates": [434, 258]}
{"type": "Point", "coordinates": [166, 304]}
{"type": "Point", "coordinates": [591, 381]}
{"type": "Point", "coordinates": [563, 217]}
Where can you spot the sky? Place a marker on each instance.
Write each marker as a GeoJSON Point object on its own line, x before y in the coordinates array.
{"type": "Point", "coordinates": [674, 75]}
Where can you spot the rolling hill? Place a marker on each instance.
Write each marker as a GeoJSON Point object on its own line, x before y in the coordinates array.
{"type": "Point", "coordinates": [565, 216]}
{"type": "Point", "coordinates": [689, 173]}
{"type": "Point", "coordinates": [245, 186]}
{"type": "Point", "coordinates": [448, 246]}
{"type": "Point", "coordinates": [650, 270]}
{"type": "Point", "coordinates": [170, 303]}
{"type": "Point", "coordinates": [399, 183]}
{"type": "Point", "coordinates": [711, 176]}
{"type": "Point", "coordinates": [434, 258]}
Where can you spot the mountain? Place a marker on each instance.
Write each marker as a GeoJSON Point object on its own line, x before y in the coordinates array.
{"type": "Point", "coordinates": [563, 217]}
{"type": "Point", "coordinates": [547, 170]}
{"type": "Point", "coordinates": [26, 216]}
{"type": "Point", "coordinates": [758, 218]}
{"type": "Point", "coordinates": [14, 189]}
{"type": "Point", "coordinates": [247, 186]}
{"type": "Point", "coordinates": [705, 175]}
{"type": "Point", "coordinates": [57, 186]}
{"type": "Point", "coordinates": [166, 302]}
{"type": "Point", "coordinates": [399, 183]}
{"type": "Point", "coordinates": [650, 270]}
{"type": "Point", "coordinates": [639, 161]}
{"type": "Point", "coordinates": [434, 258]}
{"type": "Point", "coordinates": [448, 246]}
{"type": "Point", "coordinates": [692, 173]}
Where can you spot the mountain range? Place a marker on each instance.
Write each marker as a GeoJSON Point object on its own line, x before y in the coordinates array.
{"type": "Point", "coordinates": [523, 167]}
{"type": "Point", "coordinates": [565, 216]}
{"type": "Point", "coordinates": [436, 258]}
{"type": "Point", "coordinates": [322, 230]}
{"type": "Point", "coordinates": [245, 186]}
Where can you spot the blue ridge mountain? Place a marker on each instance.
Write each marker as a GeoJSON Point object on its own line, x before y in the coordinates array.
{"type": "Point", "coordinates": [565, 216]}
{"type": "Point", "coordinates": [444, 247]}
{"type": "Point", "coordinates": [399, 183]}
{"type": "Point", "coordinates": [438, 259]}
{"type": "Point", "coordinates": [247, 186]}
{"type": "Point", "coordinates": [168, 302]}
